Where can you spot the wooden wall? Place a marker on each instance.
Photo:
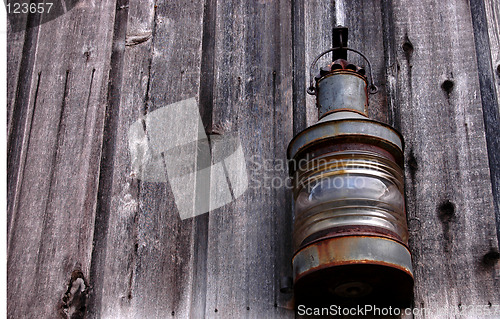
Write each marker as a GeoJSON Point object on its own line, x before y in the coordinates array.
{"type": "Point", "coordinates": [87, 239]}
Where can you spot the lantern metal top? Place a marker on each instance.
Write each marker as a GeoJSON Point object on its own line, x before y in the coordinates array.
{"type": "Point", "coordinates": [335, 68]}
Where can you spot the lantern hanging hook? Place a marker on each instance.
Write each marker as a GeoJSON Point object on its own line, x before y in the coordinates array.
{"type": "Point", "coordinates": [312, 89]}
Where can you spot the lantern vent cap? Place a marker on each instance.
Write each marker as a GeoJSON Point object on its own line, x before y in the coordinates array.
{"type": "Point", "coordinates": [338, 66]}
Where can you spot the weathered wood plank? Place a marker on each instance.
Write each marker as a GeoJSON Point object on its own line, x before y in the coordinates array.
{"type": "Point", "coordinates": [391, 65]}
{"type": "Point", "coordinates": [101, 265]}
{"type": "Point", "coordinates": [167, 255]}
{"type": "Point", "coordinates": [300, 74]}
{"type": "Point", "coordinates": [364, 19]}
{"type": "Point", "coordinates": [15, 46]}
{"type": "Point", "coordinates": [450, 206]}
{"type": "Point", "coordinates": [51, 230]}
{"type": "Point", "coordinates": [249, 239]}
{"type": "Point", "coordinates": [485, 23]}
{"type": "Point", "coordinates": [320, 16]}
{"type": "Point", "coordinates": [236, 57]}
{"type": "Point", "coordinates": [492, 12]}
{"type": "Point", "coordinates": [148, 253]}
{"type": "Point", "coordinates": [21, 93]}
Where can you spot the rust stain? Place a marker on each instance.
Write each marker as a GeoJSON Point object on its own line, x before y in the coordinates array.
{"type": "Point", "coordinates": [326, 251]}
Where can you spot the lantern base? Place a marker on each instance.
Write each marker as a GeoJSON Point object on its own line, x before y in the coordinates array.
{"type": "Point", "coordinates": [353, 270]}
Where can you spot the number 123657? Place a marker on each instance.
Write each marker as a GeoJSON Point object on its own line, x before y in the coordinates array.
{"type": "Point", "coordinates": [17, 7]}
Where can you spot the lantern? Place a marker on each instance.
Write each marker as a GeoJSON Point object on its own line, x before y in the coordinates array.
{"type": "Point", "coordinates": [350, 233]}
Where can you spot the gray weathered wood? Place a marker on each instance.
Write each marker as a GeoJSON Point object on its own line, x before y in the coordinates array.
{"type": "Point", "coordinates": [78, 216]}
{"type": "Point", "coordinates": [486, 38]}
{"type": "Point", "coordinates": [248, 239]}
{"type": "Point", "coordinates": [14, 57]}
{"type": "Point", "coordinates": [450, 206]}
{"type": "Point", "coordinates": [20, 98]}
{"type": "Point", "coordinates": [319, 19]}
{"type": "Point", "coordinates": [113, 246]}
{"type": "Point", "coordinates": [148, 253]}
{"type": "Point", "coordinates": [492, 12]}
{"type": "Point", "coordinates": [51, 228]}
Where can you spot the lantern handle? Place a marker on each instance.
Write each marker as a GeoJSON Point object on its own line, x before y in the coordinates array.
{"type": "Point", "coordinates": [312, 90]}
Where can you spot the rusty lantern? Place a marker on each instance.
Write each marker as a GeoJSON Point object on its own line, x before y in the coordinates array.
{"type": "Point", "coordinates": [350, 233]}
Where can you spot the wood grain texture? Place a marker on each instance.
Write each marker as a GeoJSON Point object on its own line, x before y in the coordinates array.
{"type": "Point", "coordinates": [79, 217]}
{"type": "Point", "coordinates": [248, 239]}
{"type": "Point", "coordinates": [486, 37]}
{"type": "Point", "coordinates": [100, 265]}
{"type": "Point", "coordinates": [15, 46]}
{"type": "Point", "coordinates": [450, 202]}
{"type": "Point", "coordinates": [364, 19]}
{"type": "Point", "coordinates": [492, 19]}
{"type": "Point", "coordinates": [21, 93]}
{"type": "Point", "coordinates": [319, 19]}
{"type": "Point", "coordinates": [146, 252]}
{"type": "Point", "coordinates": [50, 234]}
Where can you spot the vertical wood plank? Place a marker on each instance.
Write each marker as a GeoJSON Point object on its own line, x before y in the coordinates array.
{"type": "Point", "coordinates": [121, 232]}
{"type": "Point", "coordinates": [492, 12]}
{"type": "Point", "coordinates": [450, 203]}
{"type": "Point", "coordinates": [300, 74]}
{"type": "Point", "coordinates": [21, 96]}
{"type": "Point", "coordinates": [15, 44]}
{"type": "Point", "coordinates": [364, 20]}
{"type": "Point", "coordinates": [319, 20]}
{"type": "Point", "coordinates": [140, 259]}
{"type": "Point", "coordinates": [485, 23]}
{"type": "Point", "coordinates": [147, 252]}
{"type": "Point", "coordinates": [249, 239]}
{"type": "Point", "coordinates": [165, 252]}
{"type": "Point", "coordinates": [50, 236]}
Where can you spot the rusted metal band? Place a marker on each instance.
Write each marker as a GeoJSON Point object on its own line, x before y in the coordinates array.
{"type": "Point", "coordinates": [351, 250]}
{"type": "Point", "coordinates": [354, 128]}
